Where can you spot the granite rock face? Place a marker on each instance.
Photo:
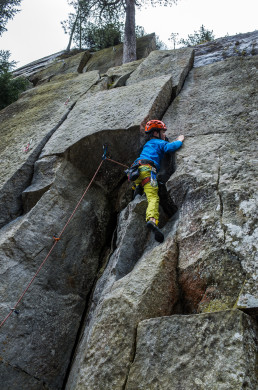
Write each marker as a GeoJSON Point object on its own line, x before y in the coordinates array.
{"type": "Point", "coordinates": [241, 45]}
{"type": "Point", "coordinates": [175, 63]}
{"type": "Point", "coordinates": [217, 232]}
{"type": "Point", "coordinates": [149, 290]}
{"type": "Point", "coordinates": [39, 340]}
{"type": "Point", "coordinates": [26, 126]}
{"type": "Point", "coordinates": [111, 308]}
{"type": "Point", "coordinates": [223, 346]}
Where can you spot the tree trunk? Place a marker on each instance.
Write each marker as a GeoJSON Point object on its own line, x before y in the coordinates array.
{"type": "Point", "coordinates": [129, 50]}
{"type": "Point", "coordinates": [78, 15]}
{"type": "Point", "coordinates": [71, 35]}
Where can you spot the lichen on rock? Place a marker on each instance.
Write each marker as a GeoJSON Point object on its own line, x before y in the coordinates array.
{"type": "Point", "coordinates": [112, 308]}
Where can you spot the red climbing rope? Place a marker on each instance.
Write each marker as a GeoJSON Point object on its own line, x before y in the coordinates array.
{"type": "Point", "coordinates": [57, 239]}
{"type": "Point", "coordinates": [109, 159]}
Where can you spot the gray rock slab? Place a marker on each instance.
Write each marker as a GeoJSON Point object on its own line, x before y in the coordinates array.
{"type": "Point", "coordinates": [117, 109]}
{"type": "Point", "coordinates": [240, 45]}
{"type": "Point", "coordinates": [64, 64]}
{"type": "Point", "coordinates": [218, 98]}
{"type": "Point", "coordinates": [147, 291]}
{"type": "Point", "coordinates": [176, 63]}
{"type": "Point", "coordinates": [215, 189]}
{"type": "Point", "coordinates": [35, 66]}
{"type": "Point", "coordinates": [40, 339]}
{"type": "Point", "coordinates": [215, 185]}
{"type": "Point", "coordinates": [200, 352]}
{"type": "Point", "coordinates": [31, 120]}
{"type": "Point", "coordinates": [111, 117]}
{"type": "Point", "coordinates": [130, 245]}
{"type": "Point", "coordinates": [13, 378]}
{"type": "Point", "coordinates": [131, 240]}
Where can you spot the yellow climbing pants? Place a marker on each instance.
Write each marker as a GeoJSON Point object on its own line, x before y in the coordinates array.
{"type": "Point", "coordinates": [151, 193]}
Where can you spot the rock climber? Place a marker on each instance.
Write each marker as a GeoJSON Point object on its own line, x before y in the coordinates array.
{"type": "Point", "coordinates": [148, 166]}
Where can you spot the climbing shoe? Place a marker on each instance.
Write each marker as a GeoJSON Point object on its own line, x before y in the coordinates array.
{"type": "Point", "coordinates": [157, 233]}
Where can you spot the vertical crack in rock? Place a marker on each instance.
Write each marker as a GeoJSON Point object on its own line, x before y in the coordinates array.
{"type": "Point", "coordinates": [107, 251]}
{"type": "Point", "coordinates": [221, 206]}
{"type": "Point", "coordinates": [179, 306]}
{"type": "Point", "coordinates": [134, 347]}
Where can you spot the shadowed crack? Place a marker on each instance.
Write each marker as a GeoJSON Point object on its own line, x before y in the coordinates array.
{"type": "Point", "coordinates": [221, 206]}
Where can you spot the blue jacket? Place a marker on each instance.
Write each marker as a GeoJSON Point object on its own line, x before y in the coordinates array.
{"type": "Point", "coordinates": [155, 149]}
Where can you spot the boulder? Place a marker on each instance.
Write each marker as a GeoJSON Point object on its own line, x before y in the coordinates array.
{"type": "Point", "coordinates": [200, 352]}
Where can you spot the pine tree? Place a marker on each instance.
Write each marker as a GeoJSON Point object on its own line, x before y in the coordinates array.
{"type": "Point", "coordinates": [10, 88]}
{"type": "Point", "coordinates": [8, 8]}
{"type": "Point", "coordinates": [113, 10]}
{"type": "Point", "coordinates": [198, 37]}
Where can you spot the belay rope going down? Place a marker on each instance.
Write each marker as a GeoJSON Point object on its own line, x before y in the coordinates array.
{"type": "Point", "coordinates": [57, 239]}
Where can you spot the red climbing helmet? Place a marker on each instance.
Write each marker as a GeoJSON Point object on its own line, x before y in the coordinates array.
{"type": "Point", "coordinates": [154, 125]}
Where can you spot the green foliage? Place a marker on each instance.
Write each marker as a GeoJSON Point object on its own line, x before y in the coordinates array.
{"type": "Point", "coordinates": [10, 88]}
{"type": "Point", "coordinates": [139, 31]}
{"type": "Point", "coordinates": [160, 45]}
{"type": "Point", "coordinates": [97, 24]}
{"type": "Point", "coordinates": [97, 37]}
{"type": "Point", "coordinates": [198, 37]}
{"type": "Point", "coordinates": [8, 8]}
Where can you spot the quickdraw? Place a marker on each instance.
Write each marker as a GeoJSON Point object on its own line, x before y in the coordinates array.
{"type": "Point", "coordinates": [104, 156]}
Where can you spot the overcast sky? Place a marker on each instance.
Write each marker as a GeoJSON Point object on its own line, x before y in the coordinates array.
{"type": "Point", "coordinates": [36, 32]}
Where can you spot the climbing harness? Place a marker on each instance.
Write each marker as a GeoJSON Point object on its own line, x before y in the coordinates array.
{"type": "Point", "coordinates": [145, 181]}
{"type": "Point", "coordinates": [57, 239]}
{"type": "Point", "coordinates": [133, 172]}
